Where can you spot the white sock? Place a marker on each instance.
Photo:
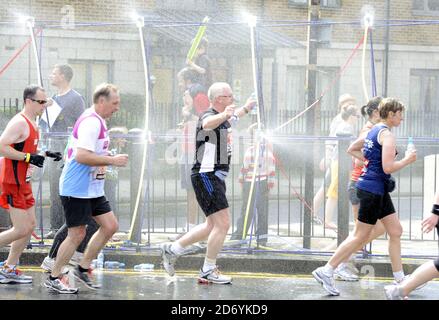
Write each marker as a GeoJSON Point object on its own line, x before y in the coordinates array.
{"type": "Point", "coordinates": [399, 275]}
{"type": "Point", "coordinates": [328, 269]}
{"type": "Point", "coordinates": [341, 265]}
{"type": "Point", "coordinates": [177, 248]}
{"type": "Point", "coordinates": [209, 264]}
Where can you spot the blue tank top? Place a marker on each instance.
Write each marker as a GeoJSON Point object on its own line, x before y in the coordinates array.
{"type": "Point", "coordinates": [373, 177]}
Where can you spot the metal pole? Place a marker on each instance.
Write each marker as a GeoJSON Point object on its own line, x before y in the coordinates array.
{"type": "Point", "coordinates": [344, 162]}
{"type": "Point", "coordinates": [386, 51]}
{"type": "Point", "coordinates": [311, 82]}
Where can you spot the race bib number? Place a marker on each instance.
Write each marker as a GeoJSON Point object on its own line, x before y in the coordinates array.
{"type": "Point", "coordinates": [99, 173]}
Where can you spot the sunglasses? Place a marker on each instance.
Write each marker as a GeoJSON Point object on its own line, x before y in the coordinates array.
{"type": "Point", "coordinates": [38, 101]}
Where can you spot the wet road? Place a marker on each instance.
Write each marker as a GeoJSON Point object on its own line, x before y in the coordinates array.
{"type": "Point", "coordinates": [155, 285]}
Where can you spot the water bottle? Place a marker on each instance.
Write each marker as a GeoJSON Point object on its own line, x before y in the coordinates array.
{"type": "Point", "coordinates": [100, 260]}
{"type": "Point", "coordinates": [410, 146]}
{"type": "Point", "coordinates": [114, 265]}
{"type": "Point", "coordinates": [144, 267]}
{"type": "Point", "coordinates": [253, 106]}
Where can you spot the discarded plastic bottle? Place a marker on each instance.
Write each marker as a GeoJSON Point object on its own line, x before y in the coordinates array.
{"type": "Point", "coordinates": [144, 267]}
{"type": "Point", "coordinates": [114, 265]}
{"type": "Point", "coordinates": [100, 260]}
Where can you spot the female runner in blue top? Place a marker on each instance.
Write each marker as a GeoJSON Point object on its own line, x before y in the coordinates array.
{"type": "Point", "coordinates": [379, 148]}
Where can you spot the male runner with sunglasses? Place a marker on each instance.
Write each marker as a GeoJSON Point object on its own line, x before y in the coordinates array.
{"type": "Point", "coordinates": [18, 146]}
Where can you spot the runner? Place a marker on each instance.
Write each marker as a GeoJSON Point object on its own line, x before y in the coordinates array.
{"type": "Point", "coordinates": [82, 189]}
{"type": "Point", "coordinates": [211, 166]}
{"type": "Point", "coordinates": [18, 145]}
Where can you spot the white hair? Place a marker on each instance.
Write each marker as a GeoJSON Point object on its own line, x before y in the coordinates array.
{"type": "Point", "coordinates": [217, 89]}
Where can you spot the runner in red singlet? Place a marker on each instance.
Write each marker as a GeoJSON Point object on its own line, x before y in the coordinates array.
{"type": "Point", "coordinates": [18, 146]}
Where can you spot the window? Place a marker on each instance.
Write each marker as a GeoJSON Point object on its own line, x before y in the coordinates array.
{"type": "Point", "coordinates": [295, 88]}
{"type": "Point", "coordinates": [424, 88]}
{"type": "Point", "coordinates": [88, 74]}
{"type": "Point", "coordinates": [422, 111]}
{"type": "Point", "coordinates": [330, 3]}
{"type": "Point", "coordinates": [187, 5]}
{"type": "Point", "coordinates": [425, 7]}
{"type": "Point", "coordinates": [323, 3]}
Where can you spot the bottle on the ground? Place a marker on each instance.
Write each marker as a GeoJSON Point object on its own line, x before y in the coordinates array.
{"type": "Point", "coordinates": [100, 260]}
{"type": "Point", "coordinates": [114, 265]}
{"type": "Point", "coordinates": [144, 267]}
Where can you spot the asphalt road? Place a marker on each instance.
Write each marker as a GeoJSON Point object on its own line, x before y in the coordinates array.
{"type": "Point", "coordinates": [156, 285]}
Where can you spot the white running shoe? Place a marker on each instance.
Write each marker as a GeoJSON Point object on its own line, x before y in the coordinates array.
{"type": "Point", "coordinates": [343, 273]}
{"type": "Point", "coordinates": [48, 264]}
{"type": "Point", "coordinates": [213, 276]}
{"type": "Point", "coordinates": [60, 285]}
{"type": "Point", "coordinates": [169, 258]}
{"type": "Point", "coordinates": [326, 281]}
{"type": "Point", "coordinates": [76, 258]}
{"type": "Point", "coordinates": [393, 292]}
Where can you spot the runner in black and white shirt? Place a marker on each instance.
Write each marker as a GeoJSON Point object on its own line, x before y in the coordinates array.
{"type": "Point", "coordinates": [211, 165]}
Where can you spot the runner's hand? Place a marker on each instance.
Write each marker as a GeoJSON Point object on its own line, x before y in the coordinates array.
{"type": "Point", "coordinates": [120, 160]}
{"type": "Point", "coordinates": [429, 223]}
{"type": "Point", "coordinates": [55, 155]}
{"type": "Point", "coordinates": [35, 159]}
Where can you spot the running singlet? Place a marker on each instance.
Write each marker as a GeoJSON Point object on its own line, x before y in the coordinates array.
{"type": "Point", "coordinates": [15, 171]}
{"type": "Point", "coordinates": [213, 148]}
{"type": "Point", "coordinates": [373, 177]}
{"type": "Point", "coordinates": [356, 172]}
{"type": "Point", "coordinates": [79, 180]}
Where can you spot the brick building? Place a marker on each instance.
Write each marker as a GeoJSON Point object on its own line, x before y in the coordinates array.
{"type": "Point", "coordinates": [100, 41]}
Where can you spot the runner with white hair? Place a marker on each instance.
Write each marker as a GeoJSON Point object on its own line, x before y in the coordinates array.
{"type": "Point", "coordinates": [211, 166]}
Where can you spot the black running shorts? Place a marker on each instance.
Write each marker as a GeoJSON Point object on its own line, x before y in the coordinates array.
{"type": "Point", "coordinates": [78, 211]}
{"type": "Point", "coordinates": [210, 192]}
{"type": "Point", "coordinates": [374, 206]}
{"type": "Point", "coordinates": [352, 191]}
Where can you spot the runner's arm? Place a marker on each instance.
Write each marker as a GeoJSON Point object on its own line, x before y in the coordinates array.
{"type": "Point", "coordinates": [15, 132]}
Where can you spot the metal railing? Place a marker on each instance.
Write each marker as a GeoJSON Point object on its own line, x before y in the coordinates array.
{"type": "Point", "coordinates": [164, 209]}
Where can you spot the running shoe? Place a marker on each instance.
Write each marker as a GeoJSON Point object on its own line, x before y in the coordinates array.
{"type": "Point", "coordinates": [213, 276]}
{"type": "Point", "coordinates": [326, 281]}
{"type": "Point", "coordinates": [13, 275]}
{"type": "Point", "coordinates": [48, 264]}
{"type": "Point", "coordinates": [169, 258]}
{"type": "Point", "coordinates": [343, 273]}
{"type": "Point", "coordinates": [76, 258]}
{"type": "Point", "coordinates": [84, 277]}
{"type": "Point", "coordinates": [393, 292]}
{"type": "Point", "coordinates": [60, 285]}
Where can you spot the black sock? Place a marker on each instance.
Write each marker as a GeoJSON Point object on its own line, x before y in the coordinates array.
{"type": "Point", "coordinates": [52, 278]}
{"type": "Point", "coordinates": [82, 269]}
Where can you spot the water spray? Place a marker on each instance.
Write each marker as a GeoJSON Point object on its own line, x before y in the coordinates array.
{"type": "Point", "coordinates": [140, 24]}
{"type": "Point", "coordinates": [368, 13]}
{"type": "Point", "coordinates": [29, 23]}
{"type": "Point", "coordinates": [251, 21]}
